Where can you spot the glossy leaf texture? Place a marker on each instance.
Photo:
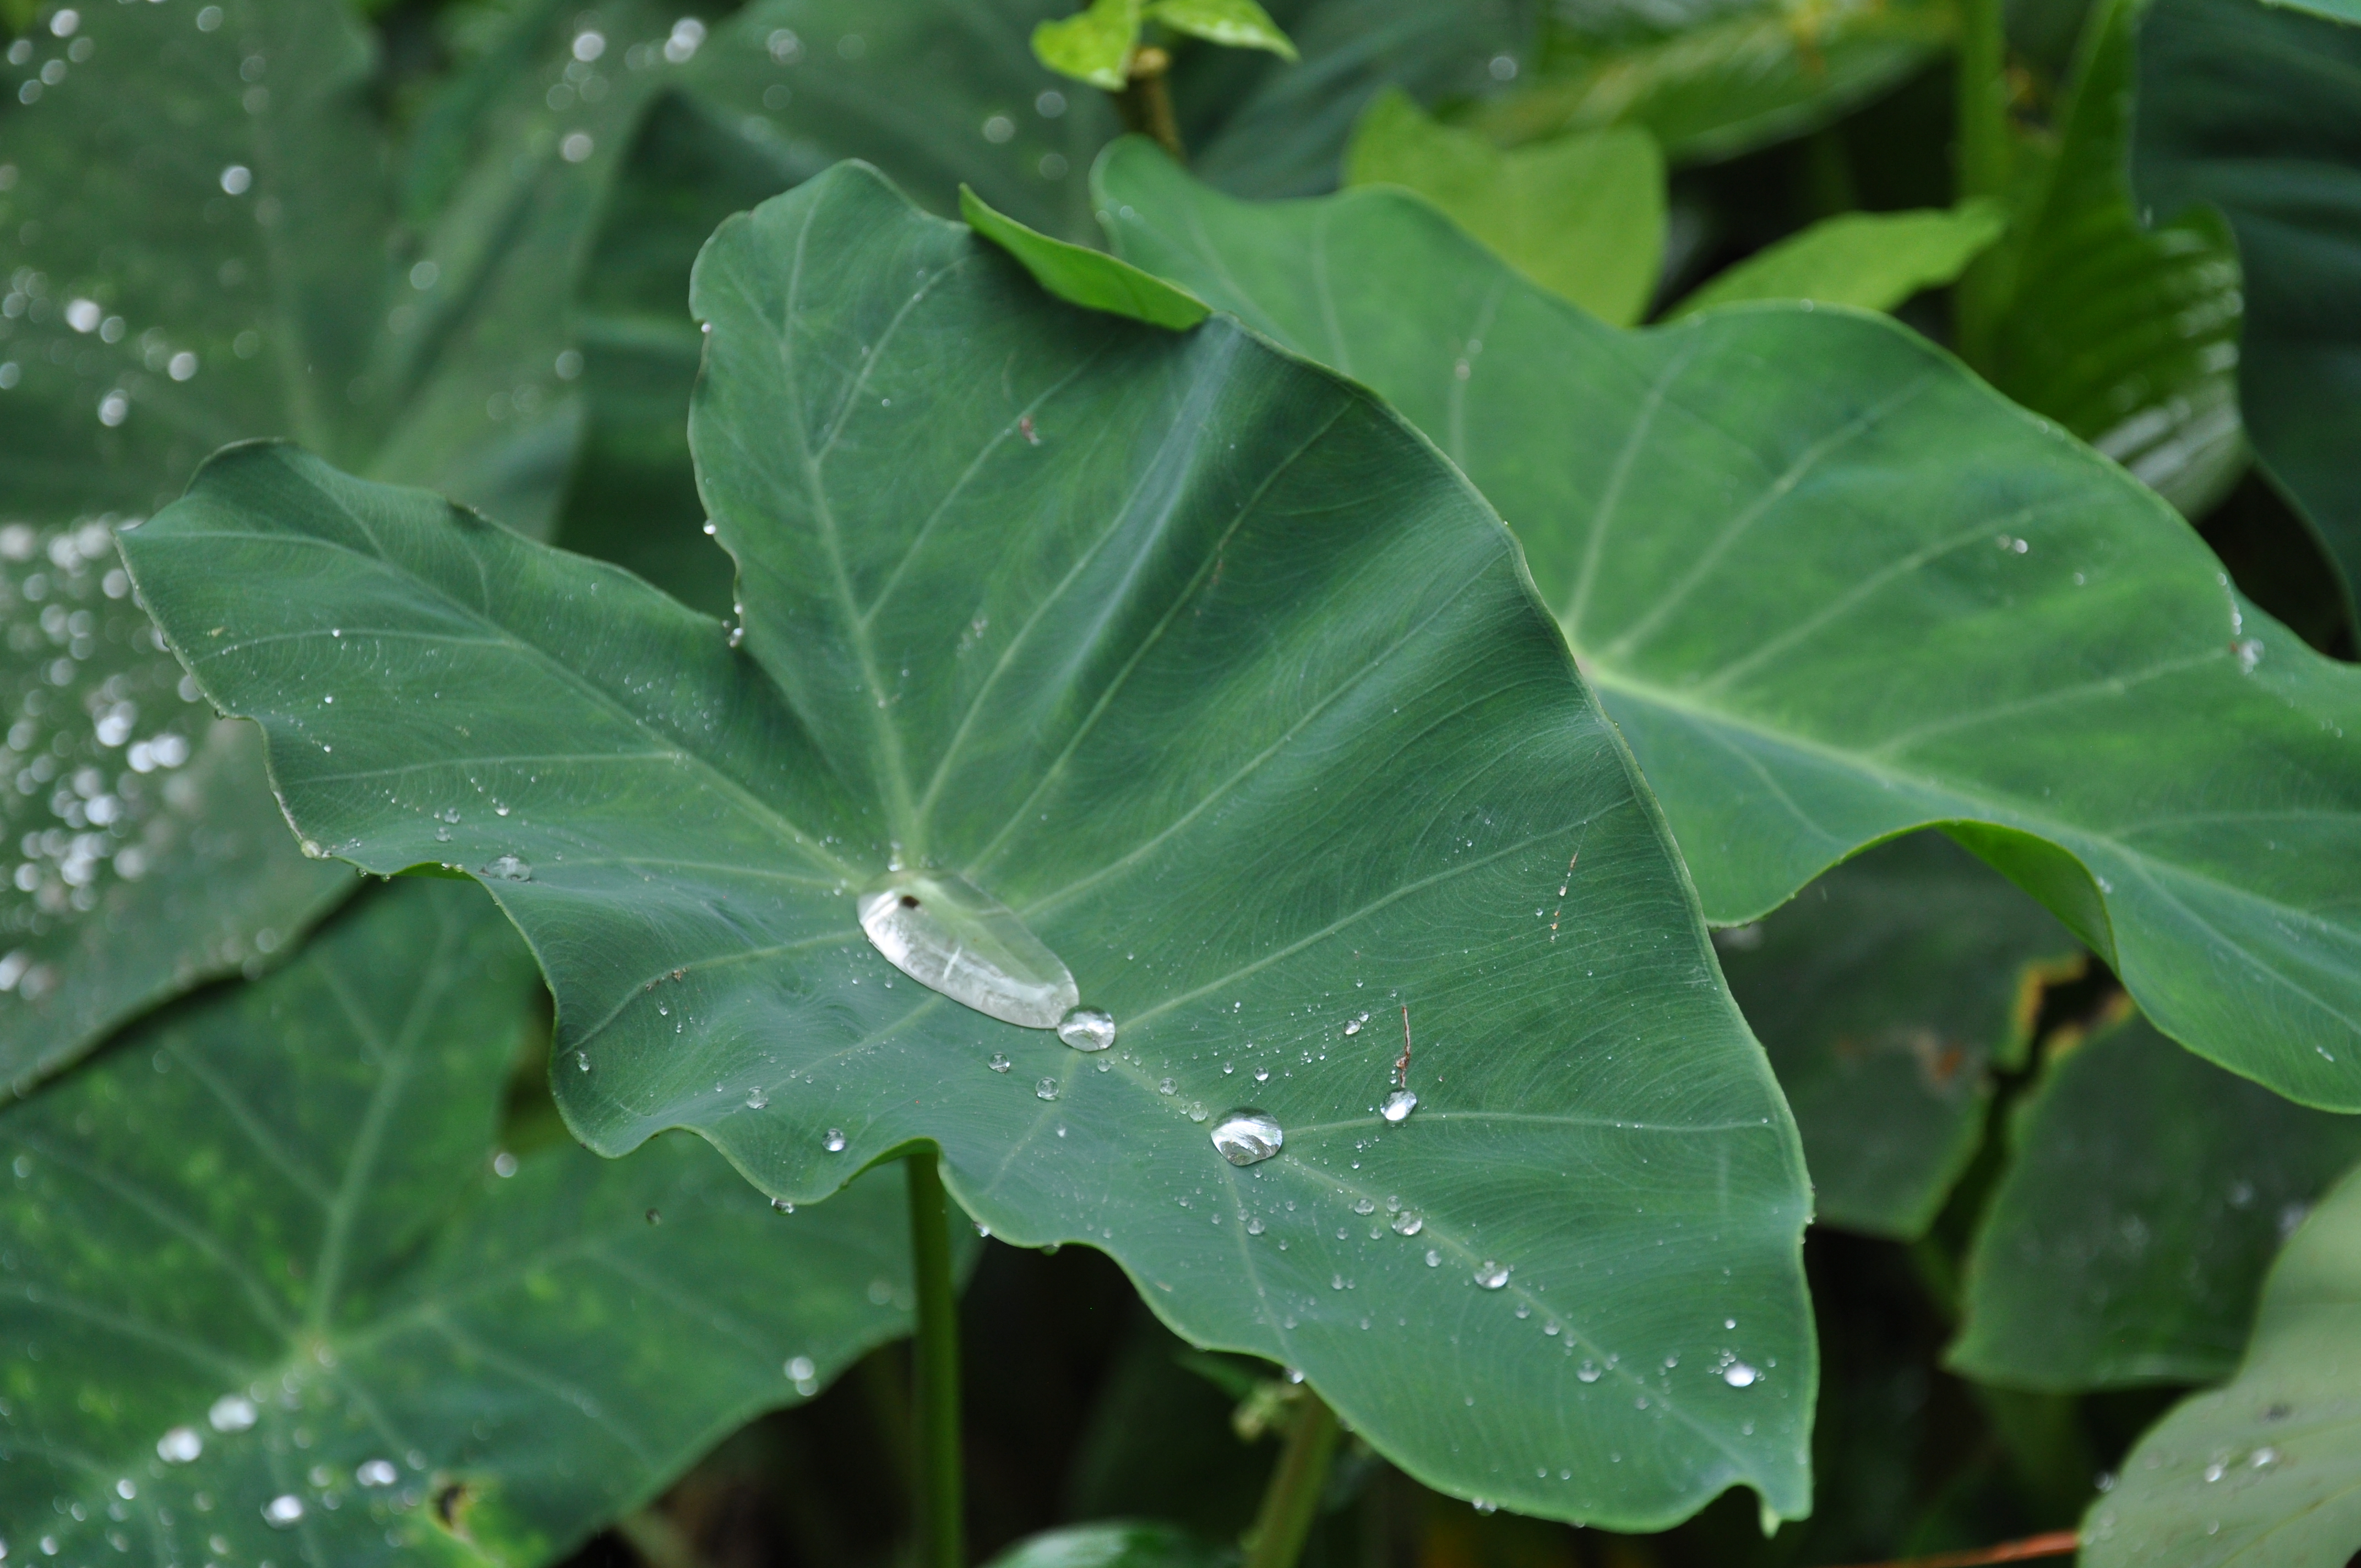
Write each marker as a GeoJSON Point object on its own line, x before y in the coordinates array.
{"type": "Point", "coordinates": [2247, 109]}
{"type": "Point", "coordinates": [1201, 662]}
{"type": "Point", "coordinates": [269, 1295]}
{"type": "Point", "coordinates": [1118, 1545]}
{"type": "Point", "coordinates": [1711, 81]}
{"type": "Point", "coordinates": [2125, 334]}
{"type": "Point", "coordinates": [2145, 1192]}
{"type": "Point", "coordinates": [249, 270]}
{"type": "Point", "coordinates": [2263, 1469]}
{"type": "Point", "coordinates": [1872, 261]}
{"type": "Point", "coordinates": [1831, 588]}
{"type": "Point", "coordinates": [1887, 994]}
{"type": "Point", "coordinates": [1581, 216]}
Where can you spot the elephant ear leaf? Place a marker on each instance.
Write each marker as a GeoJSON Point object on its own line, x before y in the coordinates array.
{"type": "Point", "coordinates": [1177, 678]}
{"type": "Point", "coordinates": [271, 1284]}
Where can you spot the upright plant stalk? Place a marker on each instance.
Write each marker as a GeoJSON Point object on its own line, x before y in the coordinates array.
{"type": "Point", "coordinates": [1292, 1499]}
{"type": "Point", "coordinates": [941, 1506]}
{"type": "Point", "coordinates": [1984, 158]}
{"type": "Point", "coordinates": [1147, 104]}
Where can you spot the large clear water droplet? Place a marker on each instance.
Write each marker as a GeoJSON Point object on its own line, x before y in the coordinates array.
{"type": "Point", "coordinates": [1738, 1375]}
{"type": "Point", "coordinates": [952, 937]}
{"type": "Point", "coordinates": [834, 1142]}
{"type": "Point", "coordinates": [1491, 1276]}
{"type": "Point", "coordinates": [1408, 1223]}
{"type": "Point", "coordinates": [1398, 1106]}
{"type": "Point", "coordinates": [1248, 1138]}
{"type": "Point", "coordinates": [510, 868]}
{"type": "Point", "coordinates": [1087, 1028]}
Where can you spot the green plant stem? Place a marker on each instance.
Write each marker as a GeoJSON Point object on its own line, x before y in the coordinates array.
{"type": "Point", "coordinates": [1292, 1499]}
{"type": "Point", "coordinates": [1145, 104]}
{"type": "Point", "coordinates": [942, 1532]}
{"type": "Point", "coordinates": [1983, 157]}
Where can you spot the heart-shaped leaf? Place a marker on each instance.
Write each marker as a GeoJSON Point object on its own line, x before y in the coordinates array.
{"type": "Point", "coordinates": [205, 245]}
{"type": "Point", "coordinates": [2266, 1469]}
{"type": "Point", "coordinates": [1832, 588]}
{"type": "Point", "coordinates": [1210, 671]}
{"type": "Point", "coordinates": [265, 1298]}
{"type": "Point", "coordinates": [1886, 994]}
{"type": "Point", "coordinates": [2144, 1194]}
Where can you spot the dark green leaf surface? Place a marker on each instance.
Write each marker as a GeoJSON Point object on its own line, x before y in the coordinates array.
{"type": "Point", "coordinates": [2125, 334]}
{"type": "Point", "coordinates": [1832, 588]}
{"type": "Point", "coordinates": [1885, 993]}
{"type": "Point", "coordinates": [2145, 1192]}
{"type": "Point", "coordinates": [1870, 260]}
{"type": "Point", "coordinates": [1114, 1546]}
{"type": "Point", "coordinates": [2264, 1471]}
{"type": "Point", "coordinates": [1206, 665]}
{"type": "Point", "coordinates": [200, 227]}
{"type": "Point", "coordinates": [1091, 279]}
{"type": "Point", "coordinates": [2249, 109]}
{"type": "Point", "coordinates": [255, 1253]}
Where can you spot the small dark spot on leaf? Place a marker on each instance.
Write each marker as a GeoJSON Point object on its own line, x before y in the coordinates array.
{"type": "Point", "coordinates": [909, 900]}
{"type": "Point", "coordinates": [452, 1499]}
{"type": "Point", "coordinates": [2279, 1412]}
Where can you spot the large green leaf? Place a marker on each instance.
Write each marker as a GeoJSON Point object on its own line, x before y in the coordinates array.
{"type": "Point", "coordinates": [1200, 660]}
{"type": "Point", "coordinates": [2144, 1194]}
{"type": "Point", "coordinates": [1872, 260]}
{"type": "Point", "coordinates": [1886, 994]}
{"type": "Point", "coordinates": [2250, 109]}
{"type": "Point", "coordinates": [200, 227]}
{"type": "Point", "coordinates": [269, 1295]}
{"type": "Point", "coordinates": [1581, 216]}
{"type": "Point", "coordinates": [1832, 588]}
{"type": "Point", "coordinates": [2125, 334]}
{"type": "Point", "coordinates": [2267, 1469]}
{"type": "Point", "coordinates": [1711, 81]}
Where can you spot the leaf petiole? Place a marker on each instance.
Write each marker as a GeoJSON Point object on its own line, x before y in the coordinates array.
{"type": "Point", "coordinates": [1293, 1498]}
{"type": "Point", "coordinates": [940, 1484]}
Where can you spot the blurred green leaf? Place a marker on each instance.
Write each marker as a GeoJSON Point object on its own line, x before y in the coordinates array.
{"type": "Point", "coordinates": [1721, 80]}
{"type": "Point", "coordinates": [2267, 1469]}
{"type": "Point", "coordinates": [2250, 109]}
{"type": "Point", "coordinates": [2144, 1194]}
{"type": "Point", "coordinates": [1886, 993]}
{"type": "Point", "coordinates": [2335, 10]}
{"type": "Point", "coordinates": [268, 1289]}
{"type": "Point", "coordinates": [1239, 23]}
{"type": "Point", "coordinates": [1093, 45]}
{"type": "Point", "coordinates": [1063, 525]}
{"type": "Point", "coordinates": [1581, 216]}
{"type": "Point", "coordinates": [1833, 589]}
{"type": "Point", "coordinates": [2125, 334]}
{"type": "Point", "coordinates": [1870, 260]}
{"type": "Point", "coordinates": [1115, 1546]}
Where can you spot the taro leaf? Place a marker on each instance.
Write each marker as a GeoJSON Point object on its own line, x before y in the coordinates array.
{"type": "Point", "coordinates": [2267, 1469]}
{"type": "Point", "coordinates": [200, 229]}
{"type": "Point", "coordinates": [1885, 995]}
{"type": "Point", "coordinates": [1239, 23]}
{"type": "Point", "coordinates": [1114, 1546]}
{"type": "Point", "coordinates": [2249, 110]}
{"type": "Point", "coordinates": [1721, 80]}
{"type": "Point", "coordinates": [264, 1292]}
{"type": "Point", "coordinates": [2144, 1194]}
{"type": "Point", "coordinates": [1872, 260]}
{"type": "Point", "coordinates": [1197, 658]}
{"type": "Point", "coordinates": [1581, 216]}
{"type": "Point", "coordinates": [1832, 588]}
{"type": "Point", "coordinates": [2128, 336]}
{"type": "Point", "coordinates": [1093, 45]}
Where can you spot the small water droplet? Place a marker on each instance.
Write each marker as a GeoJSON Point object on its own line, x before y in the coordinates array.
{"type": "Point", "coordinates": [756, 1099]}
{"type": "Point", "coordinates": [375, 1472]}
{"type": "Point", "coordinates": [1738, 1375]}
{"type": "Point", "coordinates": [1167, 1087]}
{"type": "Point", "coordinates": [1353, 1027]}
{"type": "Point", "coordinates": [834, 1142]}
{"type": "Point", "coordinates": [1045, 1090]}
{"type": "Point", "coordinates": [1254, 1227]}
{"type": "Point", "coordinates": [655, 1217]}
{"type": "Point", "coordinates": [1087, 1028]}
{"type": "Point", "coordinates": [582, 1061]}
{"type": "Point", "coordinates": [999, 1062]}
{"type": "Point", "coordinates": [1491, 1276]}
{"type": "Point", "coordinates": [1365, 1206]}
{"type": "Point", "coordinates": [179, 1445]}
{"type": "Point", "coordinates": [1588, 1372]}
{"type": "Point", "coordinates": [1398, 1107]}
{"type": "Point", "coordinates": [1408, 1223]}
{"type": "Point", "coordinates": [510, 868]}
{"type": "Point", "coordinates": [1248, 1138]}
{"type": "Point", "coordinates": [283, 1511]}
{"type": "Point", "coordinates": [952, 937]}
{"type": "Point", "coordinates": [1433, 1258]}
{"type": "Point", "coordinates": [232, 1412]}
{"type": "Point", "coordinates": [783, 1206]}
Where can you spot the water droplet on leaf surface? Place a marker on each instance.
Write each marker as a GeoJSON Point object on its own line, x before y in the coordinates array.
{"type": "Point", "coordinates": [510, 868]}
{"type": "Point", "coordinates": [1045, 1090]}
{"type": "Point", "coordinates": [231, 1412]}
{"type": "Point", "coordinates": [282, 1512]}
{"type": "Point", "coordinates": [1408, 1223]}
{"type": "Point", "coordinates": [179, 1445]}
{"type": "Point", "coordinates": [1491, 1276]}
{"type": "Point", "coordinates": [834, 1142]}
{"type": "Point", "coordinates": [1738, 1375]}
{"type": "Point", "coordinates": [1248, 1138]}
{"type": "Point", "coordinates": [999, 1062]}
{"type": "Point", "coordinates": [1398, 1106]}
{"type": "Point", "coordinates": [1087, 1028]}
{"type": "Point", "coordinates": [952, 937]}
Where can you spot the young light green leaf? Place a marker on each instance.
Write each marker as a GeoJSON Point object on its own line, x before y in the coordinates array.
{"type": "Point", "coordinates": [1115, 1546]}
{"type": "Point", "coordinates": [1240, 24]}
{"type": "Point", "coordinates": [1093, 45]}
{"type": "Point", "coordinates": [2266, 1469]}
{"type": "Point", "coordinates": [1833, 589]}
{"type": "Point", "coordinates": [1199, 661]}
{"type": "Point", "coordinates": [269, 1287]}
{"type": "Point", "coordinates": [1089, 278]}
{"type": "Point", "coordinates": [1872, 261]}
{"type": "Point", "coordinates": [1722, 81]}
{"type": "Point", "coordinates": [2248, 110]}
{"type": "Point", "coordinates": [2125, 334]}
{"type": "Point", "coordinates": [2144, 1194]}
{"type": "Point", "coordinates": [1886, 994]}
{"type": "Point", "coordinates": [1581, 216]}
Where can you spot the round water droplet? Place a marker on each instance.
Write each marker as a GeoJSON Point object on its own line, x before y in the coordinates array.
{"type": "Point", "coordinates": [1398, 1106]}
{"type": "Point", "coordinates": [1087, 1028]}
{"type": "Point", "coordinates": [1408, 1223]}
{"type": "Point", "coordinates": [510, 868]}
{"type": "Point", "coordinates": [999, 1062]}
{"type": "Point", "coordinates": [1353, 1027]}
{"type": "Point", "coordinates": [783, 1206]}
{"type": "Point", "coordinates": [834, 1142]}
{"type": "Point", "coordinates": [1167, 1087]}
{"type": "Point", "coordinates": [1248, 1138]}
{"type": "Point", "coordinates": [375, 1472]}
{"type": "Point", "coordinates": [1491, 1276]}
{"type": "Point", "coordinates": [756, 1099]}
{"type": "Point", "coordinates": [1045, 1090]}
{"type": "Point", "coordinates": [232, 1412]}
{"type": "Point", "coordinates": [282, 1512]}
{"type": "Point", "coordinates": [1738, 1375]}
{"type": "Point", "coordinates": [952, 937]}
{"type": "Point", "coordinates": [1254, 1227]}
{"type": "Point", "coordinates": [179, 1445]}
{"type": "Point", "coordinates": [801, 1368]}
{"type": "Point", "coordinates": [1365, 1206]}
